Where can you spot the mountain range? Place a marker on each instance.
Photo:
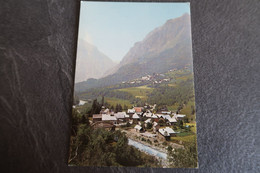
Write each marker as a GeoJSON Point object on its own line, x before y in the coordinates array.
{"type": "Point", "coordinates": [91, 63]}
{"type": "Point", "coordinates": [164, 48]}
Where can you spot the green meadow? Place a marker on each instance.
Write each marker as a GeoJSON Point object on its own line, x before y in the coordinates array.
{"type": "Point", "coordinates": [187, 137]}
{"type": "Point", "coordinates": [114, 101]}
{"type": "Point", "coordinates": [139, 92]}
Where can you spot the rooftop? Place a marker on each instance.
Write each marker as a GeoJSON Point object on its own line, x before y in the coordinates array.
{"type": "Point", "coordinates": [120, 115]}
{"type": "Point", "coordinates": [167, 131]}
{"type": "Point", "coordinates": [180, 115]}
{"type": "Point", "coordinates": [97, 116]}
{"type": "Point", "coordinates": [138, 109]}
{"type": "Point", "coordinates": [172, 120]}
{"type": "Point", "coordinates": [154, 116]}
{"type": "Point", "coordinates": [148, 121]}
{"type": "Point", "coordinates": [148, 115]}
{"type": "Point", "coordinates": [131, 111]}
{"type": "Point", "coordinates": [135, 116]}
{"type": "Point", "coordinates": [138, 127]}
{"type": "Point", "coordinates": [107, 117]}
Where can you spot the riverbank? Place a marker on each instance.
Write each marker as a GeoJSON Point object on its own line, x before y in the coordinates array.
{"type": "Point", "coordinates": [136, 136]}
{"type": "Point", "coordinates": [133, 137]}
{"type": "Point", "coordinates": [160, 145]}
{"type": "Point", "coordinates": [159, 155]}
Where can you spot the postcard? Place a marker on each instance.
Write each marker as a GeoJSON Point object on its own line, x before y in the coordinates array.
{"type": "Point", "coordinates": [134, 100]}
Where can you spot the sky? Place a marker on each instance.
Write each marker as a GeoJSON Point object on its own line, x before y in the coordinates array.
{"type": "Point", "coordinates": [114, 27]}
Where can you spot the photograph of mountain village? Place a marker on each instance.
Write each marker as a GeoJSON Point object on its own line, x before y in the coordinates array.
{"type": "Point", "coordinates": [134, 101]}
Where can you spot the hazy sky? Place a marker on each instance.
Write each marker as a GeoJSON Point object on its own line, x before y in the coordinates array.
{"type": "Point", "coordinates": [114, 27]}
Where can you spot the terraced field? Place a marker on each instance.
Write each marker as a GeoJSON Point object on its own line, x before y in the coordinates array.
{"type": "Point", "coordinates": [139, 92]}
{"type": "Point", "coordinates": [114, 101]}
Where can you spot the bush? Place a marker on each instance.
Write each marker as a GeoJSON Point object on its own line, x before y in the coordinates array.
{"type": "Point", "coordinates": [186, 157]}
{"type": "Point", "coordinates": [149, 125]}
{"type": "Point", "coordinates": [148, 141]}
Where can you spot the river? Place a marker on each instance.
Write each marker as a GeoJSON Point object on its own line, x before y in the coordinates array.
{"type": "Point", "coordinates": [147, 149]}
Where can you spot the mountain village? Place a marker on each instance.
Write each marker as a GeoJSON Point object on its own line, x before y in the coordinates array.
{"type": "Point", "coordinates": [141, 120]}
{"type": "Point", "coordinates": [141, 111]}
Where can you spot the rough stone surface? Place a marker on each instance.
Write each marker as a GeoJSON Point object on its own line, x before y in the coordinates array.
{"type": "Point", "coordinates": [37, 60]}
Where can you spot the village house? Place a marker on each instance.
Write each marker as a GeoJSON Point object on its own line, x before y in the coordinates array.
{"type": "Point", "coordinates": [166, 117]}
{"type": "Point", "coordinates": [138, 110]}
{"type": "Point", "coordinates": [97, 117]}
{"type": "Point", "coordinates": [156, 126]}
{"type": "Point", "coordinates": [109, 118]}
{"type": "Point", "coordinates": [167, 132]}
{"type": "Point", "coordinates": [149, 120]}
{"type": "Point", "coordinates": [104, 111]}
{"type": "Point", "coordinates": [138, 128]}
{"type": "Point", "coordinates": [155, 118]}
{"type": "Point", "coordinates": [172, 121]}
{"type": "Point", "coordinates": [145, 78]}
{"type": "Point", "coordinates": [130, 112]}
{"type": "Point", "coordinates": [166, 80]}
{"type": "Point", "coordinates": [121, 117]}
{"type": "Point", "coordinates": [166, 112]}
{"type": "Point", "coordinates": [127, 117]}
{"type": "Point", "coordinates": [136, 118]}
{"type": "Point", "coordinates": [179, 116]}
{"type": "Point", "coordinates": [160, 115]}
{"type": "Point", "coordinates": [147, 114]}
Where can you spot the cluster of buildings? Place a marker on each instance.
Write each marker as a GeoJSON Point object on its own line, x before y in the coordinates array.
{"type": "Point", "coordinates": [134, 116]}
{"type": "Point", "coordinates": [155, 79]}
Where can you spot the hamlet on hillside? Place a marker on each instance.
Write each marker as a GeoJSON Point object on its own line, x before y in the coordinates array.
{"type": "Point", "coordinates": [134, 99]}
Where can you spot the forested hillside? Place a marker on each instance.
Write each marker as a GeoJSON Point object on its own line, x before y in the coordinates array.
{"type": "Point", "coordinates": [101, 147]}
{"type": "Point", "coordinates": [177, 94]}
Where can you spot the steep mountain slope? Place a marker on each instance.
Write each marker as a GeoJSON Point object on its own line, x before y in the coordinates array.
{"type": "Point", "coordinates": [91, 63]}
{"type": "Point", "coordinates": [174, 34]}
{"type": "Point", "coordinates": [166, 47]}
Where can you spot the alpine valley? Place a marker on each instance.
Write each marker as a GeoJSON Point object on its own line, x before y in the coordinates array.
{"type": "Point", "coordinates": [164, 48]}
{"type": "Point", "coordinates": [140, 112]}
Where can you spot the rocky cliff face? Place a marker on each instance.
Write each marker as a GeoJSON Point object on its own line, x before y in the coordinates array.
{"type": "Point", "coordinates": [174, 34]}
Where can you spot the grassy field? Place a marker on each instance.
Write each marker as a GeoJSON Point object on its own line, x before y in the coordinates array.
{"type": "Point", "coordinates": [186, 136]}
{"type": "Point", "coordinates": [180, 75]}
{"type": "Point", "coordinates": [139, 92]}
{"type": "Point", "coordinates": [183, 78]}
{"type": "Point", "coordinates": [193, 129]}
{"type": "Point", "coordinates": [189, 138]}
{"type": "Point", "coordinates": [114, 101]}
{"type": "Point", "coordinates": [172, 85]}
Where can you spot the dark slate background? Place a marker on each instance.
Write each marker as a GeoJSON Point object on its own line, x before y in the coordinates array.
{"type": "Point", "coordinates": [38, 49]}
